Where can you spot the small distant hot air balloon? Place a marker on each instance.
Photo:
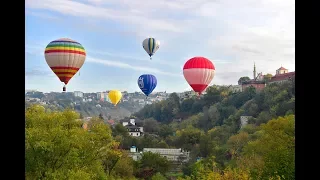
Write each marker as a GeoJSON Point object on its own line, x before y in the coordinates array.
{"type": "Point", "coordinates": [147, 83]}
{"type": "Point", "coordinates": [65, 57]}
{"type": "Point", "coordinates": [151, 45]}
{"type": "Point", "coordinates": [115, 96]}
{"type": "Point", "coordinates": [198, 72]}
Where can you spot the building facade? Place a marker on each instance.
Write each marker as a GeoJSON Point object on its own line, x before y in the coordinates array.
{"type": "Point", "coordinates": [78, 94]}
{"type": "Point", "coordinates": [132, 128]}
{"type": "Point", "coordinates": [170, 154]}
{"type": "Point", "coordinates": [282, 75]}
{"type": "Point", "coordinates": [244, 120]}
{"type": "Point", "coordinates": [258, 85]}
{"type": "Point", "coordinates": [104, 97]}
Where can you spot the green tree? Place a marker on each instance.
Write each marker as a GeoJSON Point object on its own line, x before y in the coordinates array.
{"type": "Point", "coordinates": [124, 168]}
{"type": "Point", "coordinates": [165, 131]}
{"type": "Point", "coordinates": [158, 176]}
{"type": "Point", "coordinates": [237, 142]}
{"type": "Point", "coordinates": [276, 148]}
{"type": "Point", "coordinates": [58, 148]}
{"type": "Point", "coordinates": [214, 115]}
{"type": "Point", "coordinates": [150, 125]}
{"type": "Point", "coordinates": [120, 130]}
{"type": "Point", "coordinates": [154, 163]}
{"type": "Point", "coordinates": [267, 77]}
{"type": "Point", "coordinates": [243, 79]}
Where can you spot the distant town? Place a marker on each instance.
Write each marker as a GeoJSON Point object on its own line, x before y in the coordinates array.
{"type": "Point", "coordinates": [138, 100]}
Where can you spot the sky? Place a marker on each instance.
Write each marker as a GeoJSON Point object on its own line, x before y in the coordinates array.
{"type": "Point", "coordinates": [233, 34]}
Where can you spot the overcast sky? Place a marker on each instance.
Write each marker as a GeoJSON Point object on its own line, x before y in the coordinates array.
{"type": "Point", "coordinates": [233, 34]}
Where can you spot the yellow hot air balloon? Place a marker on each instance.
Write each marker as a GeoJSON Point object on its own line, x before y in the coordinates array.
{"type": "Point", "coordinates": [115, 96]}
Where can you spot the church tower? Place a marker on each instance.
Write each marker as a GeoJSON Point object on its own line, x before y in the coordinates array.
{"type": "Point", "coordinates": [254, 70]}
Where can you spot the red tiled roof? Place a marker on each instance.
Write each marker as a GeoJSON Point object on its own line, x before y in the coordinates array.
{"type": "Point", "coordinates": [111, 121]}
{"type": "Point", "coordinates": [280, 77]}
{"type": "Point", "coordinates": [282, 68]}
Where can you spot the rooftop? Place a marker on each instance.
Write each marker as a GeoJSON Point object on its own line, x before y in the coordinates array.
{"type": "Point", "coordinates": [280, 77]}
{"type": "Point", "coordinates": [282, 68]}
{"type": "Point", "coordinates": [163, 151]}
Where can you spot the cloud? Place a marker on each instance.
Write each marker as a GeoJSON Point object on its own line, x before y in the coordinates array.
{"type": "Point", "coordinates": [37, 72]}
{"type": "Point", "coordinates": [146, 58]}
{"type": "Point", "coordinates": [128, 66]}
{"type": "Point", "coordinates": [233, 34]}
{"type": "Point", "coordinates": [73, 8]}
{"type": "Point", "coordinates": [34, 50]}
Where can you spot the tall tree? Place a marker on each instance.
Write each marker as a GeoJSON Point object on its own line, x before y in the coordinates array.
{"type": "Point", "coordinates": [243, 79]}
{"type": "Point", "coordinates": [57, 147]}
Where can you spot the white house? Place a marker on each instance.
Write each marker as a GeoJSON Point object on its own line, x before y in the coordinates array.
{"type": "Point", "coordinates": [244, 120]}
{"type": "Point", "coordinates": [78, 94]}
{"type": "Point", "coordinates": [133, 130]}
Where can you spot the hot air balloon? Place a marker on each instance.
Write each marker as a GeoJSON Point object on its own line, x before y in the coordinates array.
{"type": "Point", "coordinates": [147, 83]}
{"type": "Point", "coordinates": [198, 72]}
{"type": "Point", "coordinates": [65, 57]}
{"type": "Point", "coordinates": [115, 96]}
{"type": "Point", "coordinates": [151, 45]}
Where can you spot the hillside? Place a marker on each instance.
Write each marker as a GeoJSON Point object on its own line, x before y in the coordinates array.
{"type": "Point", "coordinates": [94, 107]}
{"type": "Point", "coordinates": [221, 146]}
{"type": "Point", "coordinates": [210, 129]}
{"type": "Point", "coordinates": [221, 106]}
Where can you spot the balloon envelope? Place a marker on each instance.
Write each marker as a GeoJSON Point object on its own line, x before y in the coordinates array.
{"type": "Point", "coordinates": [115, 96]}
{"type": "Point", "coordinates": [65, 57]}
{"type": "Point", "coordinates": [147, 83]}
{"type": "Point", "coordinates": [198, 72]}
{"type": "Point", "coordinates": [151, 45]}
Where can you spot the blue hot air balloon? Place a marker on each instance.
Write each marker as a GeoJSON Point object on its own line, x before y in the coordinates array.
{"type": "Point", "coordinates": [147, 83]}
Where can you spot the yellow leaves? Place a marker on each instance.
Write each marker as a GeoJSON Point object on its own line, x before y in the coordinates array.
{"type": "Point", "coordinates": [224, 94]}
{"type": "Point", "coordinates": [236, 142]}
{"type": "Point", "coordinates": [178, 133]}
{"type": "Point", "coordinates": [232, 174]}
{"type": "Point", "coordinates": [213, 176]}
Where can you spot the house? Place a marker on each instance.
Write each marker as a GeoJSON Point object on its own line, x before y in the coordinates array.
{"type": "Point", "coordinates": [244, 120]}
{"type": "Point", "coordinates": [171, 154]}
{"type": "Point", "coordinates": [134, 130]}
{"type": "Point", "coordinates": [282, 75]}
{"type": "Point", "coordinates": [111, 122]}
{"type": "Point", "coordinates": [132, 127]}
{"type": "Point", "coordinates": [78, 94]}
{"type": "Point", "coordinates": [134, 153]}
{"type": "Point", "coordinates": [258, 85]}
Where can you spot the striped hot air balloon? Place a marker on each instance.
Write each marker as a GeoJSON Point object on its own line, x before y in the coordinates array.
{"type": "Point", "coordinates": [198, 72]}
{"type": "Point", "coordinates": [151, 45]}
{"type": "Point", "coordinates": [65, 57]}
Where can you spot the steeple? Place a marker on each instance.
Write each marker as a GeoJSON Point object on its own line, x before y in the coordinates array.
{"type": "Point", "coordinates": [254, 70]}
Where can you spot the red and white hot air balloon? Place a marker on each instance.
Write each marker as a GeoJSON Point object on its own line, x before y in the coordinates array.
{"type": "Point", "coordinates": [199, 72]}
